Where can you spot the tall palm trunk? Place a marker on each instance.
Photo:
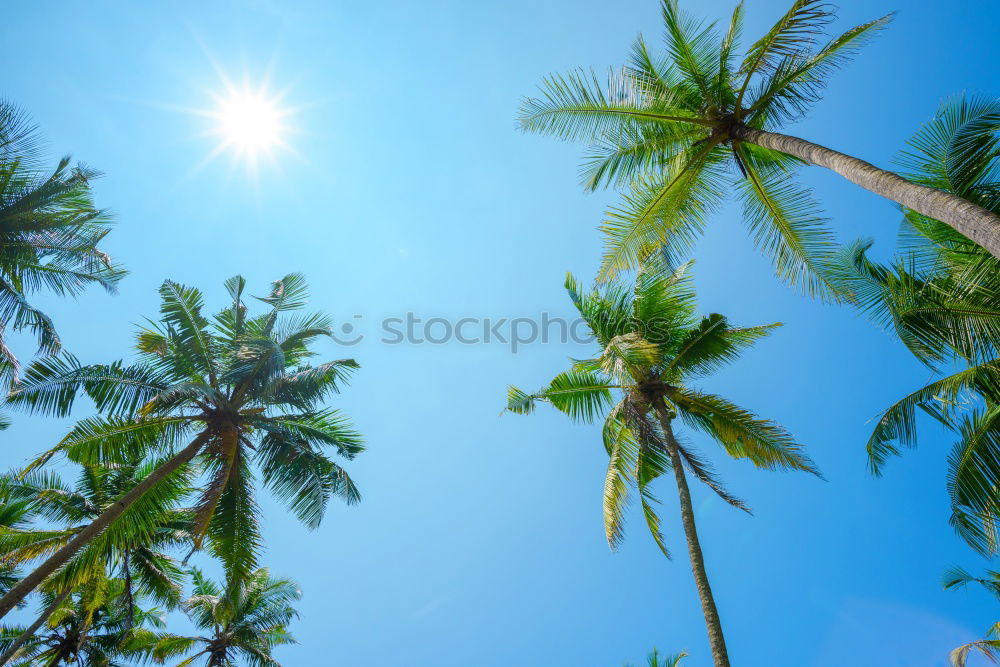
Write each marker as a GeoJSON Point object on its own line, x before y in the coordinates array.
{"type": "Point", "coordinates": [22, 588]}
{"type": "Point", "coordinates": [715, 637]}
{"type": "Point", "coordinates": [33, 628]}
{"type": "Point", "coordinates": [970, 220]}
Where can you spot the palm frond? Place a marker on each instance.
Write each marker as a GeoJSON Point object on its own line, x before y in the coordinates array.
{"type": "Point", "coordinates": [582, 395]}
{"type": "Point", "coordinates": [712, 345]}
{"type": "Point", "coordinates": [974, 478]}
{"type": "Point", "coordinates": [744, 436]}
{"type": "Point", "coordinates": [693, 48]}
{"type": "Point", "coordinates": [797, 31]}
{"type": "Point", "coordinates": [576, 106]}
{"type": "Point", "coordinates": [622, 450]}
{"type": "Point", "coordinates": [180, 311]}
{"type": "Point", "coordinates": [786, 224]}
{"type": "Point", "coordinates": [664, 211]}
{"type": "Point", "coordinates": [897, 426]}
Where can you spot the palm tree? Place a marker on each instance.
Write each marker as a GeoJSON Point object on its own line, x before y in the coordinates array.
{"type": "Point", "coordinates": [246, 620]}
{"type": "Point", "coordinates": [49, 235]}
{"type": "Point", "coordinates": [137, 556]}
{"type": "Point", "coordinates": [651, 346]}
{"type": "Point", "coordinates": [654, 659]}
{"type": "Point", "coordinates": [237, 390]}
{"type": "Point", "coordinates": [684, 129]}
{"type": "Point", "coordinates": [98, 626]}
{"type": "Point", "coordinates": [942, 298]}
{"type": "Point", "coordinates": [134, 555]}
{"type": "Point", "coordinates": [14, 515]}
{"type": "Point", "coordinates": [989, 646]}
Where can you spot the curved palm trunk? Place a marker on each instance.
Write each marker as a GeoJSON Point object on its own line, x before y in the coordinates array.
{"type": "Point", "coordinates": [715, 637]}
{"type": "Point", "coordinates": [970, 220]}
{"type": "Point", "coordinates": [33, 628]}
{"type": "Point", "coordinates": [22, 588]}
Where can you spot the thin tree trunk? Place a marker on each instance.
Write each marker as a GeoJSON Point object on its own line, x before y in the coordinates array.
{"type": "Point", "coordinates": [715, 637]}
{"type": "Point", "coordinates": [33, 628]}
{"type": "Point", "coordinates": [22, 588]}
{"type": "Point", "coordinates": [970, 220]}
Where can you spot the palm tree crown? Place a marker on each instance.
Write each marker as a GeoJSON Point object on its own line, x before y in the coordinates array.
{"type": "Point", "coordinates": [49, 234]}
{"type": "Point", "coordinates": [989, 646]}
{"type": "Point", "coordinates": [133, 550]}
{"type": "Point", "coordinates": [652, 346]}
{"type": "Point", "coordinates": [683, 130]}
{"type": "Point", "coordinates": [656, 659]}
{"type": "Point", "coordinates": [238, 389]}
{"type": "Point", "coordinates": [99, 626]}
{"type": "Point", "coordinates": [246, 620]}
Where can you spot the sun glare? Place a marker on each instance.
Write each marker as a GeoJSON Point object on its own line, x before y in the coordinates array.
{"type": "Point", "coordinates": [249, 122]}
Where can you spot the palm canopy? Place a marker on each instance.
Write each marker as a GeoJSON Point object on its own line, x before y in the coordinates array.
{"type": "Point", "coordinates": [240, 385]}
{"type": "Point", "coordinates": [656, 659]}
{"type": "Point", "coordinates": [665, 126]}
{"type": "Point", "coordinates": [98, 625]}
{"type": "Point", "coordinates": [942, 298]}
{"type": "Point", "coordinates": [50, 234]}
{"type": "Point", "coordinates": [133, 550]}
{"type": "Point", "coordinates": [244, 621]}
{"type": "Point", "coordinates": [989, 646]}
{"type": "Point", "coordinates": [651, 347]}
{"type": "Point", "coordinates": [14, 515]}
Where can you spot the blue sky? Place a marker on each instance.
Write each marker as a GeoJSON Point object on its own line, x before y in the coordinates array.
{"type": "Point", "coordinates": [409, 189]}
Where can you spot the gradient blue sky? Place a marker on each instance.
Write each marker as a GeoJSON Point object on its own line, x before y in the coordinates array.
{"type": "Point", "coordinates": [409, 189]}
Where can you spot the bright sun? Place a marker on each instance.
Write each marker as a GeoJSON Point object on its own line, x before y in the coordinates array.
{"type": "Point", "coordinates": [249, 122]}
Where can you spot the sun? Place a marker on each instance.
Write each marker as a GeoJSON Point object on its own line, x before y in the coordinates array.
{"type": "Point", "coordinates": [249, 122]}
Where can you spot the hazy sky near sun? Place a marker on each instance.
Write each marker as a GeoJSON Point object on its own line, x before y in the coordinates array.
{"type": "Point", "coordinates": [406, 188]}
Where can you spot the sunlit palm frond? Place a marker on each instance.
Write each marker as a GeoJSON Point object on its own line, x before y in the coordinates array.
{"type": "Point", "coordinates": [623, 452]}
{"type": "Point", "coordinates": [580, 394]}
{"type": "Point", "coordinates": [664, 211]}
{"type": "Point", "coordinates": [694, 49]}
{"type": "Point", "coordinates": [787, 225]}
{"type": "Point", "coordinates": [797, 31]}
{"type": "Point", "coordinates": [766, 444]}
{"type": "Point", "coordinates": [576, 106]}
{"type": "Point", "coordinates": [798, 79]}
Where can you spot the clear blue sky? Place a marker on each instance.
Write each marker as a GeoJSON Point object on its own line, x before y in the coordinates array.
{"type": "Point", "coordinates": [479, 540]}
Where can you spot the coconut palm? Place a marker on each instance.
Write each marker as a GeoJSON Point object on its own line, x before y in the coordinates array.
{"type": "Point", "coordinates": [989, 646]}
{"type": "Point", "coordinates": [50, 234]}
{"type": "Point", "coordinates": [136, 556]}
{"type": "Point", "coordinates": [942, 298]}
{"type": "Point", "coordinates": [14, 515]}
{"type": "Point", "coordinates": [246, 620]}
{"type": "Point", "coordinates": [654, 659]}
{"type": "Point", "coordinates": [651, 346]}
{"type": "Point", "coordinates": [139, 557]}
{"type": "Point", "coordinates": [231, 394]}
{"type": "Point", "coordinates": [99, 625]}
{"type": "Point", "coordinates": [683, 129]}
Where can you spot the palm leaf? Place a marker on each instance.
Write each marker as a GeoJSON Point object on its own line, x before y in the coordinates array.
{"type": "Point", "coordinates": [762, 442]}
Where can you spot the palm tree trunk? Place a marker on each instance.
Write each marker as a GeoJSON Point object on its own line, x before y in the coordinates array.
{"type": "Point", "coordinates": [22, 588]}
{"type": "Point", "coordinates": [715, 637]}
{"type": "Point", "coordinates": [972, 221]}
{"type": "Point", "coordinates": [33, 628]}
